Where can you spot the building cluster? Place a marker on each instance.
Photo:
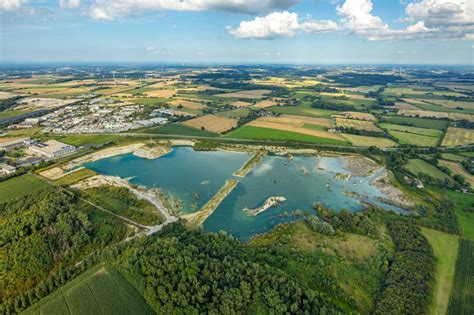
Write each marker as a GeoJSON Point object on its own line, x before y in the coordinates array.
{"type": "Point", "coordinates": [29, 153]}
{"type": "Point", "coordinates": [97, 116]}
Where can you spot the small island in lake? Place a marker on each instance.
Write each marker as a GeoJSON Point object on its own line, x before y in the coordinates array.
{"type": "Point", "coordinates": [270, 202]}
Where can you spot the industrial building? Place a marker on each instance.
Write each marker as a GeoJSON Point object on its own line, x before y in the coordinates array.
{"type": "Point", "coordinates": [53, 149]}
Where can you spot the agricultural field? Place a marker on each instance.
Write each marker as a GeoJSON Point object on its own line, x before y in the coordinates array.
{"type": "Point", "coordinates": [464, 209]}
{"type": "Point", "coordinates": [356, 124]}
{"type": "Point", "coordinates": [360, 116]}
{"type": "Point", "coordinates": [458, 169]}
{"type": "Point", "coordinates": [417, 122]}
{"type": "Point", "coordinates": [296, 124]}
{"type": "Point", "coordinates": [251, 132]}
{"type": "Point", "coordinates": [212, 123]}
{"type": "Point", "coordinates": [160, 93]}
{"type": "Point", "coordinates": [445, 248]}
{"type": "Point", "coordinates": [462, 300]}
{"type": "Point", "coordinates": [20, 186]}
{"type": "Point", "coordinates": [365, 141]}
{"type": "Point", "coordinates": [179, 129]}
{"type": "Point", "coordinates": [458, 137]}
{"type": "Point", "coordinates": [436, 114]}
{"type": "Point", "coordinates": [265, 104]}
{"type": "Point", "coordinates": [414, 136]}
{"type": "Point", "coordinates": [418, 166]}
{"type": "Point", "coordinates": [241, 104]}
{"type": "Point", "coordinates": [78, 140]}
{"type": "Point", "coordinates": [453, 157]}
{"type": "Point", "coordinates": [234, 113]}
{"type": "Point", "coordinates": [303, 109]}
{"type": "Point", "coordinates": [186, 104]}
{"type": "Point", "coordinates": [100, 290]}
{"type": "Point", "coordinates": [250, 94]}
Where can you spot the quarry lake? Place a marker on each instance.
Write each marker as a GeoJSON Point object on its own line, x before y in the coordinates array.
{"type": "Point", "coordinates": [189, 178]}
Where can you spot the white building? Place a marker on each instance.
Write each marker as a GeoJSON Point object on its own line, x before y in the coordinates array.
{"type": "Point", "coordinates": [6, 169]}
{"type": "Point", "coordinates": [53, 148]}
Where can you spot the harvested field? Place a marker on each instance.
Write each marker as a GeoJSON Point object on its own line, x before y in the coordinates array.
{"type": "Point", "coordinates": [296, 124]}
{"type": "Point", "coordinates": [403, 105]}
{"type": "Point", "coordinates": [458, 137]}
{"type": "Point", "coordinates": [252, 94]}
{"type": "Point", "coordinates": [265, 104]}
{"type": "Point", "coordinates": [6, 95]}
{"type": "Point", "coordinates": [352, 96]}
{"type": "Point", "coordinates": [186, 104]}
{"type": "Point", "coordinates": [369, 141]}
{"type": "Point", "coordinates": [241, 104]}
{"type": "Point", "coordinates": [433, 114]}
{"type": "Point", "coordinates": [212, 123]}
{"type": "Point", "coordinates": [34, 103]}
{"type": "Point", "coordinates": [360, 116]}
{"type": "Point", "coordinates": [356, 124]}
{"type": "Point", "coordinates": [161, 93]}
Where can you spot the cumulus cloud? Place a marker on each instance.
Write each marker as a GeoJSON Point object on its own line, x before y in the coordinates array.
{"type": "Point", "coordinates": [279, 24]}
{"type": "Point", "coordinates": [442, 12]}
{"type": "Point", "coordinates": [69, 4]}
{"type": "Point", "coordinates": [111, 9]}
{"type": "Point", "coordinates": [273, 25]}
{"type": "Point", "coordinates": [10, 5]}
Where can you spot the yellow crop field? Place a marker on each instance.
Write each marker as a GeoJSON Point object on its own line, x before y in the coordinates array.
{"type": "Point", "coordinates": [297, 121]}
{"type": "Point", "coordinates": [252, 94]}
{"type": "Point", "coordinates": [458, 137]}
{"type": "Point", "coordinates": [186, 104]}
{"type": "Point", "coordinates": [161, 93]}
{"type": "Point", "coordinates": [356, 124]}
{"type": "Point", "coordinates": [265, 104]}
{"type": "Point", "coordinates": [458, 169]}
{"type": "Point", "coordinates": [212, 123]}
{"type": "Point", "coordinates": [365, 141]}
{"type": "Point", "coordinates": [241, 104]}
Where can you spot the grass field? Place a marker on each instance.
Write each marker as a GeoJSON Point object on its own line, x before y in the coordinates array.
{"type": "Point", "coordinates": [303, 110]}
{"type": "Point", "coordinates": [212, 123]}
{"type": "Point", "coordinates": [11, 113]}
{"type": "Point", "coordinates": [445, 248]}
{"type": "Point", "coordinates": [458, 137]}
{"type": "Point", "coordinates": [182, 130]}
{"type": "Point", "coordinates": [20, 186]}
{"type": "Point", "coordinates": [418, 122]}
{"type": "Point", "coordinates": [458, 169]}
{"type": "Point", "coordinates": [418, 166]}
{"type": "Point", "coordinates": [365, 141]}
{"type": "Point", "coordinates": [415, 130]}
{"type": "Point", "coordinates": [100, 290]}
{"type": "Point", "coordinates": [28, 132]}
{"type": "Point", "coordinates": [443, 108]}
{"type": "Point", "coordinates": [92, 139]}
{"type": "Point", "coordinates": [453, 157]}
{"type": "Point", "coordinates": [76, 176]}
{"type": "Point", "coordinates": [250, 132]}
{"type": "Point", "coordinates": [462, 300]}
{"type": "Point", "coordinates": [462, 204]}
{"type": "Point", "coordinates": [414, 139]}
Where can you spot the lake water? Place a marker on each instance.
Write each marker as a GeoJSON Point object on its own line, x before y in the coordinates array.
{"type": "Point", "coordinates": [195, 176]}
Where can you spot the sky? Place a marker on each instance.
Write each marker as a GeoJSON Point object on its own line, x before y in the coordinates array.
{"type": "Point", "coordinates": [238, 31]}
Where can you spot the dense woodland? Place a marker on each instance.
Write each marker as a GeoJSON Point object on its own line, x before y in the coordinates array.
{"type": "Point", "coordinates": [43, 232]}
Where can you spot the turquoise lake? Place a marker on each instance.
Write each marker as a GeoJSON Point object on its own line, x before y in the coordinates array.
{"type": "Point", "coordinates": [194, 177]}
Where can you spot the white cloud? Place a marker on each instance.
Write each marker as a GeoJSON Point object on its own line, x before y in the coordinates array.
{"type": "Point", "coordinates": [442, 12]}
{"type": "Point", "coordinates": [278, 24]}
{"type": "Point", "coordinates": [273, 25]}
{"type": "Point", "coordinates": [313, 26]}
{"type": "Point", "coordinates": [69, 4]}
{"type": "Point", "coordinates": [111, 9]}
{"type": "Point", "coordinates": [10, 5]}
{"type": "Point", "coordinates": [357, 16]}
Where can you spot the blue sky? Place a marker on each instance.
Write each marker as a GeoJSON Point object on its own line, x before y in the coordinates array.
{"type": "Point", "coordinates": [238, 31]}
